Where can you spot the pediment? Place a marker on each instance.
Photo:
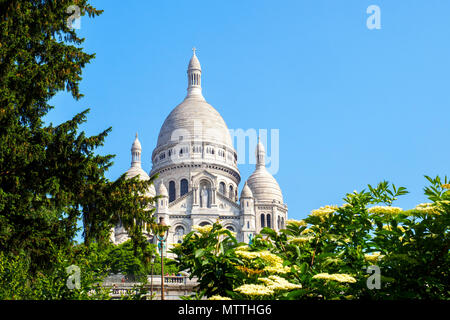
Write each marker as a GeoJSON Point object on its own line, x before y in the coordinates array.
{"type": "Point", "coordinates": [203, 174]}
{"type": "Point", "coordinates": [182, 204]}
{"type": "Point", "coordinates": [226, 203]}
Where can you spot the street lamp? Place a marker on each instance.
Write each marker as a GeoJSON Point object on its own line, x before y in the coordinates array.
{"type": "Point", "coordinates": [152, 260]}
{"type": "Point", "coordinates": [162, 237]}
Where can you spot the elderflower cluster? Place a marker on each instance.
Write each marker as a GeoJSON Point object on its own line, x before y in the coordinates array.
{"type": "Point", "coordinates": [428, 208]}
{"type": "Point", "coordinates": [278, 268]}
{"type": "Point", "coordinates": [373, 257]}
{"type": "Point", "coordinates": [204, 229]}
{"type": "Point", "coordinates": [217, 297]}
{"type": "Point", "coordinates": [340, 277]}
{"type": "Point", "coordinates": [264, 255]}
{"type": "Point", "coordinates": [389, 228]}
{"type": "Point", "coordinates": [306, 231]}
{"type": "Point", "coordinates": [385, 210]}
{"type": "Point", "coordinates": [254, 290]}
{"type": "Point", "coordinates": [275, 263]}
{"type": "Point", "coordinates": [277, 283]}
{"type": "Point", "coordinates": [300, 240]}
{"type": "Point", "coordinates": [297, 223]}
{"type": "Point", "coordinates": [323, 212]}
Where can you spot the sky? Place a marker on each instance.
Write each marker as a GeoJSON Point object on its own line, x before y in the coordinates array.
{"type": "Point", "coordinates": [353, 105]}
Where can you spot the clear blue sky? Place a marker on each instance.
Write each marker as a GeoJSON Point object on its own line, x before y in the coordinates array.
{"type": "Point", "coordinates": [353, 106]}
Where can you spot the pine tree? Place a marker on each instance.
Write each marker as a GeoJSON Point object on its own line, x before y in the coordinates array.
{"type": "Point", "coordinates": [50, 176]}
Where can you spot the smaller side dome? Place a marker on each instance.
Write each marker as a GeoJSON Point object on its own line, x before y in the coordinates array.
{"type": "Point", "coordinates": [134, 171]}
{"type": "Point", "coordinates": [162, 190]}
{"type": "Point", "coordinates": [263, 185]}
{"type": "Point", "coordinates": [246, 191]}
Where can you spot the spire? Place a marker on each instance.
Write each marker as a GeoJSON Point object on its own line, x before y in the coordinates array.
{"type": "Point", "coordinates": [260, 154]}
{"type": "Point", "coordinates": [136, 150]}
{"type": "Point", "coordinates": [162, 190]}
{"type": "Point", "coordinates": [246, 191]}
{"type": "Point", "coordinates": [194, 77]}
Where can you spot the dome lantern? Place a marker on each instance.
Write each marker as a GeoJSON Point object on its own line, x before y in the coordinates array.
{"type": "Point", "coordinates": [136, 169]}
{"type": "Point", "coordinates": [260, 154]}
{"type": "Point", "coordinates": [194, 77]}
{"type": "Point", "coordinates": [136, 150]}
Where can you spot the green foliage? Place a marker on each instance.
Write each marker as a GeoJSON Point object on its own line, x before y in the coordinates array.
{"type": "Point", "coordinates": [16, 281]}
{"type": "Point", "coordinates": [209, 256]}
{"type": "Point", "coordinates": [51, 176]}
{"type": "Point", "coordinates": [122, 259]}
{"type": "Point", "coordinates": [328, 254]}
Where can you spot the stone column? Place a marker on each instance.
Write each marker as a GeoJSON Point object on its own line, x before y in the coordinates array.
{"type": "Point", "coordinates": [195, 196]}
{"type": "Point", "coordinates": [213, 197]}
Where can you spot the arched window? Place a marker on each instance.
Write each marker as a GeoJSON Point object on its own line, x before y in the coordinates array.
{"type": "Point", "coordinates": [279, 222]}
{"type": "Point", "coordinates": [282, 223]}
{"type": "Point", "coordinates": [179, 231]}
{"type": "Point", "coordinates": [269, 225]}
{"type": "Point", "coordinates": [171, 191]}
{"type": "Point", "coordinates": [231, 193]}
{"type": "Point", "coordinates": [222, 188]}
{"type": "Point", "coordinates": [204, 223]}
{"type": "Point", "coordinates": [183, 187]}
{"type": "Point", "coordinates": [263, 221]}
{"type": "Point", "coordinates": [230, 228]}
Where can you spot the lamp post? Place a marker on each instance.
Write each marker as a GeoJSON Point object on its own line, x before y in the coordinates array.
{"type": "Point", "coordinates": [152, 260]}
{"type": "Point", "coordinates": [162, 237]}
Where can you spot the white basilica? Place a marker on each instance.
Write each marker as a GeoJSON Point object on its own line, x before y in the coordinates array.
{"type": "Point", "coordinates": [198, 174]}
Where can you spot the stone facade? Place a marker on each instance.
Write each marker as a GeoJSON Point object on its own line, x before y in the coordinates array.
{"type": "Point", "coordinates": [198, 174]}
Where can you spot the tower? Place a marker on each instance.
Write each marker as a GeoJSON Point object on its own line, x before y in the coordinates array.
{"type": "Point", "coordinates": [248, 218]}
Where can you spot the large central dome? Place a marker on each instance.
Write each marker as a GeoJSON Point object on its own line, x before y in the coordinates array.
{"type": "Point", "coordinates": [194, 119]}
{"type": "Point", "coordinates": [194, 133]}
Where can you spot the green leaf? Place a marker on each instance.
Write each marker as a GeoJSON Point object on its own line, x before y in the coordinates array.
{"type": "Point", "coordinates": [199, 253]}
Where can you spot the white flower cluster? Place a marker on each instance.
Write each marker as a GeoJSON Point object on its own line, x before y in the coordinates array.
{"type": "Point", "coordinates": [217, 297]}
{"type": "Point", "coordinates": [297, 223]}
{"type": "Point", "coordinates": [340, 277]}
{"type": "Point", "coordinates": [428, 208]}
{"type": "Point", "coordinates": [300, 240]}
{"type": "Point", "coordinates": [204, 229]}
{"type": "Point", "coordinates": [275, 263]}
{"type": "Point", "coordinates": [277, 283]}
{"type": "Point", "coordinates": [385, 210]}
{"type": "Point", "coordinates": [374, 257]}
{"type": "Point", "coordinates": [254, 290]}
{"type": "Point", "coordinates": [323, 212]}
